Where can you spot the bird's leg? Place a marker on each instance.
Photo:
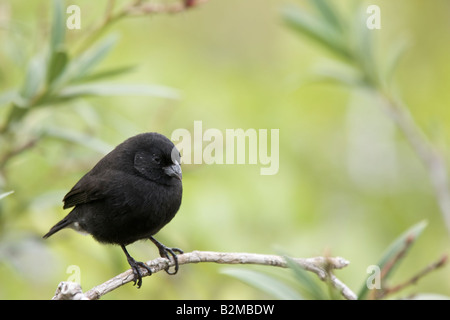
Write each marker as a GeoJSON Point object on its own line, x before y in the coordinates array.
{"type": "Point", "coordinates": [164, 253]}
{"type": "Point", "coordinates": [135, 267]}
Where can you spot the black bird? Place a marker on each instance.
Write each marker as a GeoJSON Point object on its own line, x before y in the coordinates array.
{"type": "Point", "coordinates": [129, 195]}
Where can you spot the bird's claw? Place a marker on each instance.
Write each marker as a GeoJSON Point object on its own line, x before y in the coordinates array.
{"type": "Point", "coordinates": [173, 252]}
{"type": "Point", "coordinates": [135, 265]}
{"type": "Point", "coordinates": [166, 252]}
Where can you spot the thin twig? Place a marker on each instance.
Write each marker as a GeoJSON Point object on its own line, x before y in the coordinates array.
{"type": "Point", "coordinates": [414, 279]}
{"type": "Point", "coordinates": [318, 265]}
{"type": "Point", "coordinates": [151, 8]}
{"type": "Point", "coordinates": [378, 294]}
{"type": "Point", "coordinates": [390, 264]}
{"type": "Point", "coordinates": [12, 153]}
{"type": "Point", "coordinates": [135, 8]}
{"type": "Point", "coordinates": [432, 160]}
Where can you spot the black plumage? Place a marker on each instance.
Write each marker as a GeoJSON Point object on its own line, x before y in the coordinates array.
{"type": "Point", "coordinates": [129, 195]}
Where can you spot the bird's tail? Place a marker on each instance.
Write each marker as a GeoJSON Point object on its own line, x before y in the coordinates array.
{"type": "Point", "coordinates": [60, 225]}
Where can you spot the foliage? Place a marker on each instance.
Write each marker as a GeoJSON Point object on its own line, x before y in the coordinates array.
{"type": "Point", "coordinates": [68, 96]}
{"type": "Point", "coordinates": [305, 286]}
{"type": "Point", "coordinates": [54, 77]}
{"type": "Point", "coordinates": [354, 44]}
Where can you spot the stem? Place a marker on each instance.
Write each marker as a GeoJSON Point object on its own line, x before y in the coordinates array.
{"type": "Point", "coordinates": [321, 266]}
{"type": "Point", "coordinates": [428, 155]}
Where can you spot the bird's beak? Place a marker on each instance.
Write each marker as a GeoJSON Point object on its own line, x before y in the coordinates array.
{"type": "Point", "coordinates": [173, 170]}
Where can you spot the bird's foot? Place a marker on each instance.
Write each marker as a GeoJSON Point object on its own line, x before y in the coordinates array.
{"type": "Point", "coordinates": [166, 252]}
{"type": "Point", "coordinates": [135, 265]}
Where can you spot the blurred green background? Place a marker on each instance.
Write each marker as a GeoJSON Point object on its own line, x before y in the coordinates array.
{"type": "Point", "coordinates": [348, 182]}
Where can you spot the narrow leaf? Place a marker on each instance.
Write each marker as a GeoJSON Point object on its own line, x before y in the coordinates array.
{"type": "Point", "coordinates": [364, 47]}
{"type": "Point", "coordinates": [91, 58]}
{"type": "Point", "coordinates": [395, 54]}
{"type": "Point", "coordinates": [316, 29]}
{"type": "Point", "coordinates": [402, 244]}
{"type": "Point", "coordinates": [264, 282]}
{"type": "Point", "coordinates": [58, 61]}
{"type": "Point", "coordinates": [109, 73]}
{"type": "Point", "coordinates": [328, 13]}
{"type": "Point", "coordinates": [34, 78]}
{"type": "Point", "coordinates": [430, 296]}
{"type": "Point", "coordinates": [58, 30]}
{"type": "Point", "coordinates": [79, 138]}
{"type": "Point", "coordinates": [3, 195]}
{"type": "Point", "coordinates": [340, 74]}
{"type": "Point", "coordinates": [305, 280]}
{"type": "Point", "coordinates": [57, 54]}
{"type": "Point", "coordinates": [8, 97]}
{"type": "Point", "coordinates": [108, 89]}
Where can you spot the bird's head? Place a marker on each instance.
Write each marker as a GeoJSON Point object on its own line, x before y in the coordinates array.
{"type": "Point", "coordinates": [157, 158]}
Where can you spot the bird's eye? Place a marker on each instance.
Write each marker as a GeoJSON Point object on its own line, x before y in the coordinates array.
{"type": "Point", "coordinates": [156, 159]}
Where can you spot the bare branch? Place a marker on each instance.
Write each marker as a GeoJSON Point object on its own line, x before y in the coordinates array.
{"type": "Point", "coordinates": [18, 150]}
{"type": "Point", "coordinates": [321, 266]}
{"type": "Point", "coordinates": [69, 291]}
{"type": "Point", "coordinates": [413, 280]}
{"type": "Point", "coordinates": [139, 9]}
{"type": "Point", "coordinates": [432, 160]}
{"type": "Point", "coordinates": [136, 8]}
{"type": "Point", "coordinates": [400, 255]}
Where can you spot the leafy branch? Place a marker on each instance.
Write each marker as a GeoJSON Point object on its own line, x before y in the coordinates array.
{"type": "Point", "coordinates": [302, 270]}
{"type": "Point", "coordinates": [321, 266]}
{"type": "Point", "coordinates": [391, 259]}
{"type": "Point", "coordinates": [353, 43]}
{"type": "Point", "coordinates": [56, 76]}
{"type": "Point", "coordinates": [375, 287]}
{"type": "Point", "coordinates": [136, 8]}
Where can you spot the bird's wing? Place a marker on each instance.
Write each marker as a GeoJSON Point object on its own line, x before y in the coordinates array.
{"type": "Point", "coordinates": [88, 189]}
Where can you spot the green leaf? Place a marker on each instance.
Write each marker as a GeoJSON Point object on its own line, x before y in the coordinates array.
{"type": "Point", "coordinates": [395, 54]}
{"type": "Point", "coordinates": [109, 89]}
{"type": "Point", "coordinates": [429, 296]}
{"type": "Point", "coordinates": [47, 200]}
{"type": "Point", "coordinates": [398, 245]}
{"type": "Point", "coordinates": [3, 195]}
{"type": "Point", "coordinates": [364, 47]}
{"type": "Point", "coordinates": [58, 31]}
{"type": "Point", "coordinates": [57, 54]}
{"type": "Point", "coordinates": [264, 282]}
{"type": "Point", "coordinates": [79, 138]}
{"type": "Point", "coordinates": [91, 58]}
{"type": "Point", "coordinates": [316, 29]}
{"type": "Point", "coordinates": [341, 74]}
{"type": "Point", "coordinates": [327, 11]}
{"type": "Point", "coordinates": [8, 97]}
{"type": "Point", "coordinates": [405, 240]}
{"type": "Point", "coordinates": [309, 284]}
{"type": "Point", "coordinates": [58, 62]}
{"type": "Point", "coordinates": [34, 79]}
{"type": "Point", "coordinates": [80, 67]}
{"type": "Point", "coordinates": [109, 73]}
